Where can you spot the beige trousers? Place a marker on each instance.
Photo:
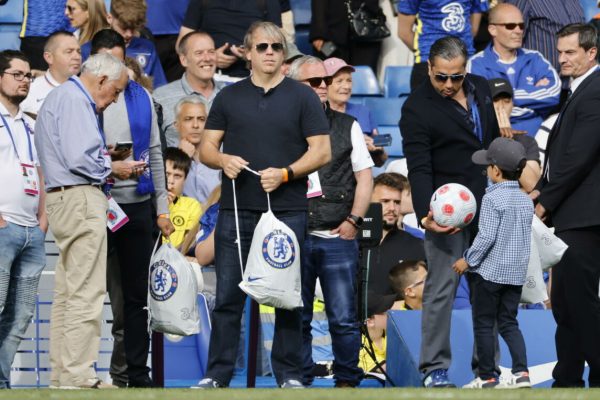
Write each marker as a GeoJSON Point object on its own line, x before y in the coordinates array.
{"type": "Point", "coordinates": [77, 218]}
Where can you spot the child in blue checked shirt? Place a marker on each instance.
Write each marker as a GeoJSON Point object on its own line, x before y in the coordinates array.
{"type": "Point", "coordinates": [497, 262]}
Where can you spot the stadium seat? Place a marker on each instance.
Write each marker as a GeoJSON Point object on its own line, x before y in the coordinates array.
{"type": "Point", "coordinates": [385, 111]}
{"type": "Point", "coordinates": [396, 81]}
{"type": "Point", "coordinates": [302, 41]}
{"type": "Point", "coordinates": [395, 150]}
{"type": "Point", "coordinates": [589, 9]}
{"type": "Point", "coordinates": [9, 36]}
{"type": "Point", "coordinates": [302, 12]}
{"type": "Point", "coordinates": [364, 82]}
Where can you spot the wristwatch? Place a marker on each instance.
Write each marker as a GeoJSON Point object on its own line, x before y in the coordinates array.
{"type": "Point", "coordinates": [356, 220]}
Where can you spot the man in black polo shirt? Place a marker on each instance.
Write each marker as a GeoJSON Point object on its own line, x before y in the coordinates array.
{"type": "Point", "coordinates": [276, 126]}
{"type": "Point", "coordinates": [396, 244]}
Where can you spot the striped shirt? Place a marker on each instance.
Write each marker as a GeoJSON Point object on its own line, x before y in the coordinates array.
{"type": "Point", "coordinates": [500, 251]}
{"type": "Point", "coordinates": [543, 19]}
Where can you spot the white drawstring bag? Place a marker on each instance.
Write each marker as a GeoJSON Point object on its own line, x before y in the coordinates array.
{"type": "Point", "coordinates": [550, 247]}
{"type": "Point", "coordinates": [172, 305]}
{"type": "Point", "coordinates": [272, 273]}
{"type": "Point", "coordinates": [534, 289]}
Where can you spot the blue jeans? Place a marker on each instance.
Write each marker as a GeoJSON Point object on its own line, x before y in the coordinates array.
{"type": "Point", "coordinates": [286, 357]}
{"type": "Point", "coordinates": [335, 262]}
{"type": "Point", "coordinates": [22, 259]}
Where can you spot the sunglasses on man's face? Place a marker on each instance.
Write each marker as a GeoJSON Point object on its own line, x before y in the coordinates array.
{"type": "Point", "coordinates": [262, 47]}
{"type": "Point", "coordinates": [316, 82]}
{"type": "Point", "coordinates": [442, 78]}
{"type": "Point", "coordinates": [512, 25]}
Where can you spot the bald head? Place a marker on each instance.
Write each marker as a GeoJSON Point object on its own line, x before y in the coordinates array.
{"type": "Point", "coordinates": [503, 11]}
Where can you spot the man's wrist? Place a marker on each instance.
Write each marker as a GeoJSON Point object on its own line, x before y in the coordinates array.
{"type": "Point", "coordinates": [167, 216]}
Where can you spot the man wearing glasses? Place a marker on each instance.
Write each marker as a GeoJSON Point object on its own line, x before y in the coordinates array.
{"type": "Point", "coordinates": [535, 82]}
{"type": "Point", "coordinates": [23, 221]}
{"type": "Point", "coordinates": [276, 126]}
{"type": "Point", "coordinates": [443, 122]}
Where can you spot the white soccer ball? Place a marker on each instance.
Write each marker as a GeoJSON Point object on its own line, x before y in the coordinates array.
{"type": "Point", "coordinates": [453, 205]}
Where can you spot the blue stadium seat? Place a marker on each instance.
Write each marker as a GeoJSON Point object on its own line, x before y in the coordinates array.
{"type": "Point", "coordinates": [364, 82]}
{"type": "Point", "coordinates": [302, 11]}
{"type": "Point", "coordinates": [302, 41]}
{"type": "Point", "coordinates": [385, 111]}
{"type": "Point", "coordinates": [11, 12]}
{"type": "Point", "coordinates": [9, 36]}
{"type": "Point", "coordinates": [396, 81]}
{"type": "Point", "coordinates": [395, 150]}
{"type": "Point", "coordinates": [357, 99]}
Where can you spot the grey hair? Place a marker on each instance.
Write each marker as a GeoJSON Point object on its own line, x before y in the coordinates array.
{"type": "Point", "coordinates": [188, 100]}
{"type": "Point", "coordinates": [104, 64]}
{"type": "Point", "coordinates": [448, 48]}
{"type": "Point", "coordinates": [294, 72]}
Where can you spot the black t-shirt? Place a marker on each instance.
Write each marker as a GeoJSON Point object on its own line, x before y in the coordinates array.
{"type": "Point", "coordinates": [227, 21]}
{"type": "Point", "coordinates": [267, 130]}
{"type": "Point", "coordinates": [397, 246]}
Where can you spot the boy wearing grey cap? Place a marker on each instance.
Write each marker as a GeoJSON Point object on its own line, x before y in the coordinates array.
{"type": "Point", "coordinates": [497, 262]}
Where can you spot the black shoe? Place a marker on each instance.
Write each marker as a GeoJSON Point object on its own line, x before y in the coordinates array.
{"type": "Point", "coordinates": [141, 382]}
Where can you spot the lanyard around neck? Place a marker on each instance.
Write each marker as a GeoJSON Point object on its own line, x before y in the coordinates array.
{"type": "Point", "coordinates": [13, 139]}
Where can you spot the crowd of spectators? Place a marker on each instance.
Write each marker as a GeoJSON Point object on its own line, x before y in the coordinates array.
{"type": "Point", "coordinates": [152, 112]}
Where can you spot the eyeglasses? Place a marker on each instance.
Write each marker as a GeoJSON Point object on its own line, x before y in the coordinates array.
{"type": "Point", "coordinates": [262, 47]}
{"type": "Point", "coordinates": [442, 78]}
{"type": "Point", "coordinates": [316, 81]}
{"type": "Point", "coordinates": [512, 25]}
{"type": "Point", "coordinates": [19, 76]}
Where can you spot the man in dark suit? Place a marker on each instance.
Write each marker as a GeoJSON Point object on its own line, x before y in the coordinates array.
{"type": "Point", "coordinates": [446, 119]}
{"type": "Point", "coordinates": [569, 194]}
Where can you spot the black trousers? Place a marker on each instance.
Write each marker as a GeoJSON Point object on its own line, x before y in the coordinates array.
{"type": "Point", "coordinates": [133, 244]}
{"type": "Point", "coordinates": [165, 47]}
{"type": "Point", "coordinates": [357, 53]}
{"type": "Point", "coordinates": [576, 308]}
{"type": "Point", "coordinates": [496, 304]}
{"type": "Point", "coordinates": [33, 47]}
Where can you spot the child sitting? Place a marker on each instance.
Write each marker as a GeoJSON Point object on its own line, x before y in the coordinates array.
{"type": "Point", "coordinates": [184, 211]}
{"type": "Point", "coordinates": [372, 353]}
{"type": "Point", "coordinates": [408, 279]}
{"type": "Point", "coordinates": [497, 262]}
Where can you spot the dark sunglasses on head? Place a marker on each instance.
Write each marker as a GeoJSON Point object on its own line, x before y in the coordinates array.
{"type": "Point", "coordinates": [316, 82]}
{"type": "Point", "coordinates": [262, 47]}
{"type": "Point", "coordinates": [442, 78]}
{"type": "Point", "coordinates": [512, 25]}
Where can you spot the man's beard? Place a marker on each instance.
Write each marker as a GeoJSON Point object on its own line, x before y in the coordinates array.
{"type": "Point", "coordinates": [16, 99]}
{"type": "Point", "coordinates": [388, 225]}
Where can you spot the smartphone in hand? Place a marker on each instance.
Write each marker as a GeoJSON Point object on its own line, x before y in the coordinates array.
{"type": "Point", "coordinates": [383, 140]}
{"type": "Point", "coordinates": [122, 146]}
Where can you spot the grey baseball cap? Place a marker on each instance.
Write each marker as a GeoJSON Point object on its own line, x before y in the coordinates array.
{"type": "Point", "coordinates": [503, 152]}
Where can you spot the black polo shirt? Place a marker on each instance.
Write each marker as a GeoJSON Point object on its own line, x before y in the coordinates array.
{"type": "Point", "coordinates": [267, 130]}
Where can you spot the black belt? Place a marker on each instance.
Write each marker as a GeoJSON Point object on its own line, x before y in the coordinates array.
{"type": "Point", "coordinates": [63, 188]}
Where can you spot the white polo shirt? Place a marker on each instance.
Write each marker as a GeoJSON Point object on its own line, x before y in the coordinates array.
{"type": "Point", "coordinates": [16, 206]}
{"type": "Point", "coordinates": [39, 89]}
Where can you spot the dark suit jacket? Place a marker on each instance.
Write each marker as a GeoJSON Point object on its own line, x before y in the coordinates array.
{"type": "Point", "coordinates": [438, 143]}
{"type": "Point", "coordinates": [570, 185]}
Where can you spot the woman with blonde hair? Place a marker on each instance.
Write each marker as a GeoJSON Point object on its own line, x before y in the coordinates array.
{"type": "Point", "coordinates": [87, 16]}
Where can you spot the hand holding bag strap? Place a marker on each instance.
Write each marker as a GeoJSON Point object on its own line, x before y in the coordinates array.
{"type": "Point", "coordinates": [237, 222]}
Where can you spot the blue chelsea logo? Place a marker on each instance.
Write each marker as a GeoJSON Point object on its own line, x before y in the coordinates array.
{"type": "Point", "coordinates": [163, 281]}
{"type": "Point", "coordinates": [278, 249]}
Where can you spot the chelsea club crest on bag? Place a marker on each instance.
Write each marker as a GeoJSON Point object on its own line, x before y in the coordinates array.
{"type": "Point", "coordinates": [272, 274]}
{"type": "Point", "coordinates": [172, 291]}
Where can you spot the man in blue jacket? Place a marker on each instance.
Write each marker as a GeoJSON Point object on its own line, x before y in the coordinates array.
{"type": "Point", "coordinates": [535, 82]}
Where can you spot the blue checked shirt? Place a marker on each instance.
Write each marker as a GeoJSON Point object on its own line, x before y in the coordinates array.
{"type": "Point", "coordinates": [500, 251]}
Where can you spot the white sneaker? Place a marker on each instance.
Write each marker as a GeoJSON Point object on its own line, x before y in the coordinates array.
{"type": "Point", "coordinates": [519, 380]}
{"type": "Point", "coordinates": [479, 383]}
